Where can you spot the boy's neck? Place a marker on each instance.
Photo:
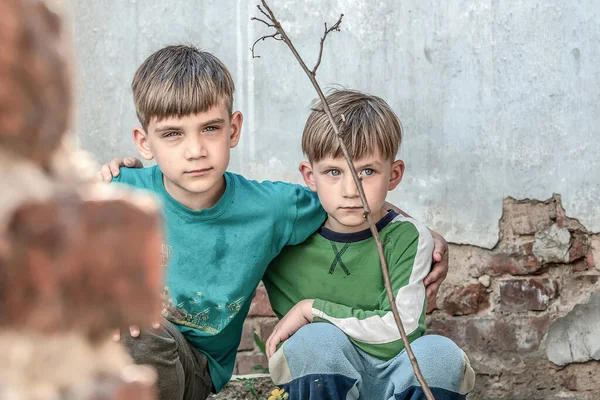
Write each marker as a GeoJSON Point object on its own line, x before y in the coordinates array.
{"type": "Point", "coordinates": [196, 201]}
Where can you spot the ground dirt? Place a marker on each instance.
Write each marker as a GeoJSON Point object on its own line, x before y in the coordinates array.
{"type": "Point", "coordinates": [236, 389]}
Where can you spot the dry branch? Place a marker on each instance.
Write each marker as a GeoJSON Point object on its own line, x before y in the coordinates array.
{"type": "Point", "coordinates": [280, 32]}
{"type": "Point", "coordinates": [335, 27]}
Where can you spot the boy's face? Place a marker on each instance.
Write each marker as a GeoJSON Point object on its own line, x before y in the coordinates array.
{"type": "Point", "coordinates": [332, 180]}
{"type": "Point", "coordinates": [192, 151]}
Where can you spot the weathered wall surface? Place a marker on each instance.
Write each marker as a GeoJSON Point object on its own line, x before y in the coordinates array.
{"type": "Point", "coordinates": [497, 98]}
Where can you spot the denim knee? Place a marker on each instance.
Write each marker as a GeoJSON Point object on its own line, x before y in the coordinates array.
{"type": "Point", "coordinates": [438, 357]}
{"type": "Point", "coordinates": [319, 336]}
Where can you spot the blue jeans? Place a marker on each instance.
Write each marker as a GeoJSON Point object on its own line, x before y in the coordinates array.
{"type": "Point", "coordinates": [320, 362]}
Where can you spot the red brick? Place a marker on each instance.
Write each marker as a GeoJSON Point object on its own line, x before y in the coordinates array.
{"type": "Point", "coordinates": [579, 248]}
{"type": "Point", "coordinates": [35, 88]}
{"type": "Point", "coordinates": [519, 335]}
{"type": "Point", "coordinates": [580, 377]}
{"type": "Point", "coordinates": [531, 294]}
{"type": "Point", "coordinates": [579, 266]}
{"type": "Point", "coordinates": [88, 266]}
{"type": "Point", "coordinates": [466, 300]}
{"type": "Point", "coordinates": [245, 363]}
{"type": "Point", "coordinates": [260, 306]}
{"type": "Point", "coordinates": [489, 335]}
{"type": "Point", "coordinates": [513, 259]}
{"type": "Point", "coordinates": [452, 328]}
{"type": "Point", "coordinates": [525, 217]}
{"type": "Point", "coordinates": [247, 342]}
{"type": "Point", "coordinates": [593, 256]}
{"type": "Point", "coordinates": [266, 327]}
{"type": "Point", "coordinates": [530, 332]}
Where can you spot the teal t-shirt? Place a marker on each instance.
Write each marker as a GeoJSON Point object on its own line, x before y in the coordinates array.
{"type": "Point", "coordinates": [216, 257]}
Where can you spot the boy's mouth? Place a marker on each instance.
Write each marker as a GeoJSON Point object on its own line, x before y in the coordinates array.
{"type": "Point", "coordinates": [198, 172]}
{"type": "Point", "coordinates": [352, 208]}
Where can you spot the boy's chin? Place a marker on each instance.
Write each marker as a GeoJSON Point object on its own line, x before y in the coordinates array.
{"type": "Point", "coordinates": [349, 224]}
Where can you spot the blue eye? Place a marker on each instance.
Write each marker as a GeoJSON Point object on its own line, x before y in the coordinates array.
{"type": "Point", "coordinates": [367, 171]}
{"type": "Point", "coordinates": [210, 129]}
{"type": "Point", "coordinates": [171, 134]}
{"type": "Point", "coordinates": [334, 172]}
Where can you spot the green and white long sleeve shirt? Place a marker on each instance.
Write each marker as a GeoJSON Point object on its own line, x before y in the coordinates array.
{"type": "Point", "coordinates": [342, 273]}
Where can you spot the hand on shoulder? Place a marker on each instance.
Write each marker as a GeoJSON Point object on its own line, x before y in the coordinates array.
{"type": "Point", "coordinates": [110, 170]}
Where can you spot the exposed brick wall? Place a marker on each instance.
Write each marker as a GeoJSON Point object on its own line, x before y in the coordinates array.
{"type": "Point", "coordinates": [261, 320]}
{"type": "Point", "coordinates": [499, 305]}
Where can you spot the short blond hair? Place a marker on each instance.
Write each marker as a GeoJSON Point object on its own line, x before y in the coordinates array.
{"type": "Point", "coordinates": [180, 80]}
{"type": "Point", "coordinates": [370, 124]}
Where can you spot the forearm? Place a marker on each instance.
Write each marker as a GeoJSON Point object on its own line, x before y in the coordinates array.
{"type": "Point", "coordinates": [369, 326]}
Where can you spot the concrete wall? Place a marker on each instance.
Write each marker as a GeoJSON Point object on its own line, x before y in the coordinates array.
{"type": "Point", "coordinates": [497, 98]}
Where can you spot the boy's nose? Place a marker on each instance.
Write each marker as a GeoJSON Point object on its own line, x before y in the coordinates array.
{"type": "Point", "coordinates": [349, 188]}
{"type": "Point", "coordinates": [195, 149]}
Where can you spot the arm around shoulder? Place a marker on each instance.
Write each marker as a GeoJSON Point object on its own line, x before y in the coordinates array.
{"type": "Point", "coordinates": [309, 215]}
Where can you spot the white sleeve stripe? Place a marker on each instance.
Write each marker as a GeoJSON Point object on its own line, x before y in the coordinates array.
{"type": "Point", "coordinates": [410, 300]}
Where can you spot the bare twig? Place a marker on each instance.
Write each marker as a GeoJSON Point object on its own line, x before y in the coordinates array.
{"type": "Point", "coordinates": [274, 36]}
{"type": "Point", "coordinates": [263, 21]}
{"type": "Point", "coordinates": [384, 267]}
{"type": "Point", "coordinates": [263, 11]}
{"type": "Point", "coordinates": [335, 27]}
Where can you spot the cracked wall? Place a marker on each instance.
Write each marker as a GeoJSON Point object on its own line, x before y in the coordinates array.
{"type": "Point", "coordinates": [526, 310]}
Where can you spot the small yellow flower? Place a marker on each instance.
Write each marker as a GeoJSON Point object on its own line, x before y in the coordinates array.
{"type": "Point", "coordinates": [278, 394]}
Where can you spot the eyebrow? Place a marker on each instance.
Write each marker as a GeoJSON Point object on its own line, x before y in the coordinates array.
{"type": "Point", "coordinates": [166, 128]}
{"type": "Point", "coordinates": [374, 164]}
{"type": "Point", "coordinates": [213, 121]}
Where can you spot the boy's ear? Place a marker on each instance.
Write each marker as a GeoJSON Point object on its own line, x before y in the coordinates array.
{"type": "Point", "coordinates": [141, 142]}
{"type": "Point", "coordinates": [236, 128]}
{"type": "Point", "coordinates": [396, 174]}
{"type": "Point", "coordinates": [307, 173]}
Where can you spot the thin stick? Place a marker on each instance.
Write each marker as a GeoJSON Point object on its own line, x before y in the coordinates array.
{"type": "Point", "coordinates": [273, 36]}
{"type": "Point", "coordinates": [335, 27]}
{"type": "Point", "coordinates": [384, 267]}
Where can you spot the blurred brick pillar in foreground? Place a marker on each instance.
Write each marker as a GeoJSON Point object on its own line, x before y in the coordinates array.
{"type": "Point", "coordinates": [77, 259]}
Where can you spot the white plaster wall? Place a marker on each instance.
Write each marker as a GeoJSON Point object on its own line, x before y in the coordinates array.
{"type": "Point", "coordinates": [497, 98]}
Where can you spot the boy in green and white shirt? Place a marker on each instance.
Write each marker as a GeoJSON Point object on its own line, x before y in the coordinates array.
{"type": "Point", "coordinates": [335, 275]}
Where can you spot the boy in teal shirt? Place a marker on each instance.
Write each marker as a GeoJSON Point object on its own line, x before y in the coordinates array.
{"type": "Point", "coordinates": [222, 230]}
{"type": "Point", "coordinates": [335, 275]}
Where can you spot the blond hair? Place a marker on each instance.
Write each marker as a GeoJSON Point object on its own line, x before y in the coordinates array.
{"type": "Point", "coordinates": [370, 125]}
{"type": "Point", "coordinates": [180, 80]}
